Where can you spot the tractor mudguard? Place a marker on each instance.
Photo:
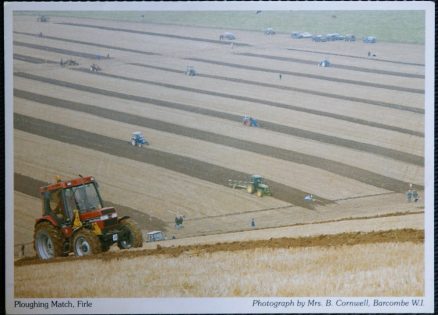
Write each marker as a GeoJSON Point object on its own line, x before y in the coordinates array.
{"type": "Point", "coordinates": [123, 218]}
{"type": "Point", "coordinates": [47, 218]}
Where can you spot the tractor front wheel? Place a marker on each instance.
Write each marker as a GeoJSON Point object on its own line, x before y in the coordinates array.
{"type": "Point", "coordinates": [133, 142]}
{"type": "Point", "coordinates": [48, 241]}
{"type": "Point", "coordinates": [86, 243]}
{"type": "Point", "coordinates": [250, 189]}
{"type": "Point", "coordinates": [131, 236]}
{"type": "Point", "coordinates": [259, 193]}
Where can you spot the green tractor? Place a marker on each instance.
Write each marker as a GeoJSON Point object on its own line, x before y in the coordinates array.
{"type": "Point", "coordinates": [257, 186]}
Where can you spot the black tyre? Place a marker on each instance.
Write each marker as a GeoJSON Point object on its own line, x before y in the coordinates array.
{"type": "Point", "coordinates": [48, 241]}
{"type": "Point", "coordinates": [86, 243]}
{"type": "Point", "coordinates": [131, 235]}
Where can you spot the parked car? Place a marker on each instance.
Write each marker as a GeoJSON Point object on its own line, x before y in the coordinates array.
{"type": "Point", "coordinates": [269, 31]}
{"type": "Point", "coordinates": [369, 39]}
{"type": "Point", "coordinates": [155, 236]}
{"type": "Point", "coordinates": [350, 38]}
{"type": "Point", "coordinates": [319, 38]}
{"type": "Point", "coordinates": [227, 36]}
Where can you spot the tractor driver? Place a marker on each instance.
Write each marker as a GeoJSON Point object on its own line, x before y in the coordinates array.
{"type": "Point", "coordinates": [56, 203]}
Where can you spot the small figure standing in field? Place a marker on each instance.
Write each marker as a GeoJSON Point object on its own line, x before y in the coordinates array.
{"type": "Point", "coordinates": [369, 54]}
{"type": "Point", "coordinates": [179, 219]}
{"type": "Point", "coordinates": [252, 222]}
{"type": "Point", "coordinates": [412, 194]}
{"type": "Point", "coordinates": [280, 76]}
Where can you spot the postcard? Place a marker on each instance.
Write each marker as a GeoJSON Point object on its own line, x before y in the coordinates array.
{"type": "Point", "coordinates": [219, 157]}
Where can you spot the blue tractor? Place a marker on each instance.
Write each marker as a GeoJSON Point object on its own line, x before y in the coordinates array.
{"type": "Point", "coordinates": [137, 139]}
{"type": "Point", "coordinates": [249, 121]}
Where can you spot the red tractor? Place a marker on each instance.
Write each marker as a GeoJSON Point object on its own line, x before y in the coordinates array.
{"type": "Point", "coordinates": [75, 220]}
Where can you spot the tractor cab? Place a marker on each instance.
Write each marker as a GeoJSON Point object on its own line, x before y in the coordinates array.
{"type": "Point", "coordinates": [190, 71]}
{"type": "Point", "coordinates": [324, 63]}
{"type": "Point", "coordinates": [62, 198]}
{"type": "Point", "coordinates": [250, 121]}
{"type": "Point", "coordinates": [258, 186]}
{"type": "Point", "coordinates": [137, 139]}
{"type": "Point", "coordinates": [74, 219]}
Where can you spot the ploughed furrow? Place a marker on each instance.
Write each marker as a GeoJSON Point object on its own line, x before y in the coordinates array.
{"type": "Point", "coordinates": [358, 57]}
{"type": "Point", "coordinates": [188, 166]}
{"type": "Point", "coordinates": [32, 59]}
{"type": "Point", "coordinates": [311, 76]}
{"type": "Point", "coordinates": [394, 154]}
{"type": "Point", "coordinates": [293, 107]}
{"type": "Point", "coordinates": [89, 43]}
{"type": "Point", "coordinates": [30, 186]}
{"type": "Point", "coordinates": [58, 50]}
{"type": "Point", "coordinates": [198, 39]}
{"type": "Point", "coordinates": [345, 67]}
{"type": "Point", "coordinates": [345, 238]}
{"type": "Point", "coordinates": [338, 168]}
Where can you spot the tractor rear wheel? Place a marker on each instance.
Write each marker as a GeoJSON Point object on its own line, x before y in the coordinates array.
{"type": "Point", "coordinates": [132, 236]}
{"type": "Point", "coordinates": [133, 142]}
{"type": "Point", "coordinates": [48, 241]}
{"type": "Point", "coordinates": [250, 189]}
{"type": "Point", "coordinates": [86, 243]}
{"type": "Point", "coordinates": [259, 193]}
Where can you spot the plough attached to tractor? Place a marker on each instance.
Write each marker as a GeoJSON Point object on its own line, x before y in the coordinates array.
{"type": "Point", "coordinates": [255, 185]}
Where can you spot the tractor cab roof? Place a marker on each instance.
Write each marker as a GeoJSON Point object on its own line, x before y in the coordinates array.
{"type": "Point", "coordinates": [154, 232]}
{"type": "Point", "coordinates": [67, 183]}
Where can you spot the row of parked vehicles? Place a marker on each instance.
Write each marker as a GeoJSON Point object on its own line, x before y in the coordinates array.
{"type": "Point", "coordinates": [315, 38]}
{"type": "Point", "coordinates": [332, 37]}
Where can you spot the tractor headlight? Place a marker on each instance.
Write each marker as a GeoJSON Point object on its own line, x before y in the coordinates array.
{"type": "Point", "coordinates": [104, 217]}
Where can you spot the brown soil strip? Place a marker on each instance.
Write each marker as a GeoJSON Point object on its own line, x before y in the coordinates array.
{"type": "Point", "coordinates": [30, 186]}
{"type": "Point", "coordinates": [311, 76]}
{"type": "Point", "coordinates": [32, 59]}
{"type": "Point", "coordinates": [358, 174]}
{"type": "Point", "coordinates": [342, 239]}
{"type": "Point", "coordinates": [113, 29]}
{"type": "Point", "coordinates": [188, 166]}
{"type": "Point", "coordinates": [358, 57]}
{"type": "Point", "coordinates": [297, 108]}
{"type": "Point", "coordinates": [89, 43]}
{"type": "Point", "coordinates": [345, 67]}
{"type": "Point", "coordinates": [59, 50]}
